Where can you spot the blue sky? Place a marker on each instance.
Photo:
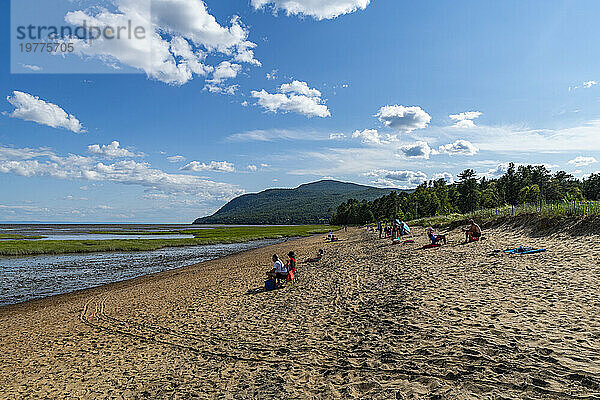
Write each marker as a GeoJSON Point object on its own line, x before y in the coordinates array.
{"type": "Point", "coordinates": [230, 97]}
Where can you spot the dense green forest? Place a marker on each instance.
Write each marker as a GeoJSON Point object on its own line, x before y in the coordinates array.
{"type": "Point", "coordinates": [520, 184]}
{"type": "Point", "coordinates": [311, 203]}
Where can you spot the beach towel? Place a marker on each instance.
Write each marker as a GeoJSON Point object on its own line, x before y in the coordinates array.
{"type": "Point", "coordinates": [524, 250]}
{"type": "Point", "coordinates": [431, 246]}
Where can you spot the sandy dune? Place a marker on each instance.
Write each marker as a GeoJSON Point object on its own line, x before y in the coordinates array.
{"type": "Point", "coordinates": [372, 320]}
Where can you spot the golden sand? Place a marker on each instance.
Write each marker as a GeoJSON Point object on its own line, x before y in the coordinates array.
{"type": "Point", "coordinates": [371, 320]}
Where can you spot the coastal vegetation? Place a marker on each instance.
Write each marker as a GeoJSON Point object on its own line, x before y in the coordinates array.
{"type": "Point", "coordinates": [521, 189]}
{"type": "Point", "coordinates": [202, 237]}
{"type": "Point", "coordinates": [312, 203]}
{"type": "Point", "coordinates": [18, 237]}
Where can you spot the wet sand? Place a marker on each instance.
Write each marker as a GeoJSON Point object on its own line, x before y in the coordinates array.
{"type": "Point", "coordinates": [371, 320]}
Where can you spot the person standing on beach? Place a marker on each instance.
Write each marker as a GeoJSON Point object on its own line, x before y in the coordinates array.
{"type": "Point", "coordinates": [379, 228]}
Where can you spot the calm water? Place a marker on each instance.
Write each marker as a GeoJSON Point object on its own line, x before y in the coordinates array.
{"type": "Point", "coordinates": [34, 277]}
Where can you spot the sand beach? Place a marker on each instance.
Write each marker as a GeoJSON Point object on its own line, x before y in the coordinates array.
{"type": "Point", "coordinates": [372, 320]}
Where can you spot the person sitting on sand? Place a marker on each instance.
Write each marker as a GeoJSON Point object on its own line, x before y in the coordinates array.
{"type": "Point", "coordinates": [435, 239]}
{"type": "Point", "coordinates": [317, 258]}
{"type": "Point", "coordinates": [473, 232]}
{"type": "Point", "coordinates": [279, 271]}
{"type": "Point", "coordinates": [291, 263]}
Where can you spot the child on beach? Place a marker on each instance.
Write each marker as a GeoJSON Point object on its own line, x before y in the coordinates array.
{"type": "Point", "coordinates": [291, 263]}
{"type": "Point", "coordinates": [317, 258]}
{"type": "Point", "coordinates": [435, 239]}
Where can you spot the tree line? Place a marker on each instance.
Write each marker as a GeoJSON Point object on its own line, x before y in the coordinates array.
{"type": "Point", "coordinates": [518, 185]}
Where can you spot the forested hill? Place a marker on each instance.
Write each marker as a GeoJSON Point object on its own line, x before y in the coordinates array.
{"type": "Point", "coordinates": [310, 203]}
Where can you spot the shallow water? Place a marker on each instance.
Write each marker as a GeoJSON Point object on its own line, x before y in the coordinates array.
{"type": "Point", "coordinates": [34, 277]}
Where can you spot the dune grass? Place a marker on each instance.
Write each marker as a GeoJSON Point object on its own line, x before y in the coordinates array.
{"type": "Point", "coordinates": [541, 209]}
{"type": "Point", "coordinates": [202, 237]}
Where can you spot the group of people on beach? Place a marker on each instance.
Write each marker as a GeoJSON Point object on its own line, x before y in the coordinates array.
{"type": "Point", "coordinates": [472, 234]}
{"type": "Point", "coordinates": [394, 231]}
{"type": "Point", "coordinates": [285, 272]}
{"type": "Point", "coordinates": [398, 229]}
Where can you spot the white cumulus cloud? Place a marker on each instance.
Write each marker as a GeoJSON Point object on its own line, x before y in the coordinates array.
{"type": "Point", "coordinates": [112, 150]}
{"type": "Point", "coordinates": [318, 9]}
{"type": "Point", "coordinates": [32, 108]}
{"type": "Point", "coordinates": [418, 149]}
{"type": "Point", "coordinates": [447, 176]}
{"type": "Point", "coordinates": [178, 36]}
{"type": "Point", "coordinates": [295, 97]}
{"type": "Point", "coordinates": [403, 119]}
{"type": "Point", "coordinates": [459, 147]}
{"type": "Point", "coordinates": [407, 179]}
{"type": "Point", "coordinates": [213, 166]}
{"type": "Point", "coordinates": [464, 120]}
{"type": "Point", "coordinates": [582, 161]}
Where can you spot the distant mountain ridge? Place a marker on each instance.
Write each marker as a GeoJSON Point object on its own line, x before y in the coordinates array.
{"type": "Point", "coordinates": [310, 203]}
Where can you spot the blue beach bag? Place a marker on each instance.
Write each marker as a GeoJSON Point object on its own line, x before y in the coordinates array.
{"type": "Point", "coordinates": [270, 284]}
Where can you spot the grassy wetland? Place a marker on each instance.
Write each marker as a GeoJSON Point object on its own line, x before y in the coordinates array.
{"type": "Point", "coordinates": [20, 246]}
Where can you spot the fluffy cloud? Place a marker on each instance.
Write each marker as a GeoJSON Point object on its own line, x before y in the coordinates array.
{"type": "Point", "coordinates": [419, 149]}
{"type": "Point", "coordinates": [582, 161]}
{"type": "Point", "coordinates": [373, 137]}
{"type": "Point", "coordinates": [447, 176]}
{"type": "Point", "coordinates": [44, 163]}
{"type": "Point", "coordinates": [225, 70]}
{"type": "Point", "coordinates": [318, 9]}
{"type": "Point", "coordinates": [252, 168]}
{"type": "Point", "coordinates": [293, 97]}
{"type": "Point", "coordinates": [176, 159]}
{"type": "Point", "coordinates": [32, 108]}
{"type": "Point", "coordinates": [301, 88]}
{"type": "Point", "coordinates": [464, 120]}
{"type": "Point", "coordinates": [337, 136]}
{"type": "Point", "coordinates": [403, 119]}
{"type": "Point", "coordinates": [407, 179]}
{"type": "Point", "coordinates": [459, 147]}
{"type": "Point", "coordinates": [213, 166]}
{"type": "Point", "coordinates": [369, 136]}
{"type": "Point", "coordinates": [179, 36]}
{"type": "Point", "coordinates": [112, 150]}
{"type": "Point", "coordinates": [498, 170]}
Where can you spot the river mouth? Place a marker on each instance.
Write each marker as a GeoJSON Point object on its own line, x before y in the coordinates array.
{"type": "Point", "coordinates": [35, 277]}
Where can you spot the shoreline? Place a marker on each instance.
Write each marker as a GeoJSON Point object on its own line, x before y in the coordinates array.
{"type": "Point", "coordinates": [120, 284]}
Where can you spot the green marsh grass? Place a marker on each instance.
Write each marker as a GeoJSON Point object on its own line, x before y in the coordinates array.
{"type": "Point", "coordinates": [202, 237]}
